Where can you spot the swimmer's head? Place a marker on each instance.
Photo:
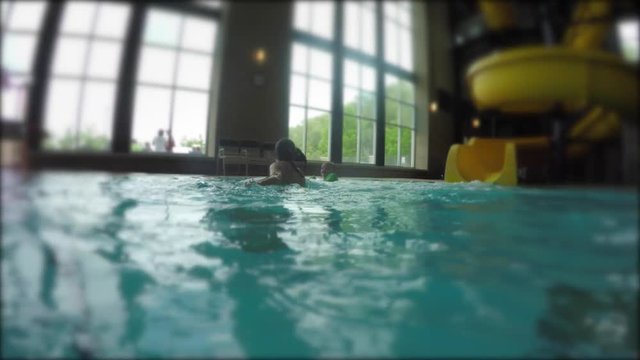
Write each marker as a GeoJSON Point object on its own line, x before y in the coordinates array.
{"type": "Point", "coordinates": [285, 150]}
{"type": "Point", "coordinates": [327, 168]}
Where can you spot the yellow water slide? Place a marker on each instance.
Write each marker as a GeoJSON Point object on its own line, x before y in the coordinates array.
{"type": "Point", "coordinates": [536, 79]}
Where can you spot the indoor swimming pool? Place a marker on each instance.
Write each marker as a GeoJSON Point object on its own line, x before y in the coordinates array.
{"type": "Point", "coordinates": [108, 265]}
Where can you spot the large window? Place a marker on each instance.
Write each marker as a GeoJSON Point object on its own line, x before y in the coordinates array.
{"type": "Point", "coordinates": [359, 109]}
{"type": "Point", "coordinates": [21, 22]}
{"type": "Point", "coordinates": [399, 122]}
{"type": "Point", "coordinates": [174, 81]}
{"type": "Point", "coordinates": [82, 88]}
{"type": "Point", "coordinates": [310, 101]}
{"type": "Point", "coordinates": [362, 65]}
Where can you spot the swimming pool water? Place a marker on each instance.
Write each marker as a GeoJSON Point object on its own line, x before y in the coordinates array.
{"type": "Point", "coordinates": [166, 265]}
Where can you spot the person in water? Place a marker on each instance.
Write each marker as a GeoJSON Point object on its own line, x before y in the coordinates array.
{"type": "Point", "coordinates": [328, 171]}
{"type": "Point", "coordinates": [284, 171]}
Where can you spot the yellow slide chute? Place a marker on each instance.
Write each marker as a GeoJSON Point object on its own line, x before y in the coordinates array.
{"type": "Point", "coordinates": [536, 79]}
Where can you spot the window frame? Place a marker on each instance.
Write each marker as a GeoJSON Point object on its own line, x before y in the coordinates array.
{"type": "Point", "coordinates": [30, 73]}
{"type": "Point", "coordinates": [125, 84]}
{"type": "Point", "coordinates": [84, 78]}
{"type": "Point", "coordinates": [341, 51]}
{"type": "Point", "coordinates": [180, 10]}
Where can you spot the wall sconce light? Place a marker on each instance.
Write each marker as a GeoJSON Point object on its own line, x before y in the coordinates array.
{"type": "Point", "coordinates": [475, 123]}
{"type": "Point", "coordinates": [433, 106]}
{"type": "Point", "coordinates": [260, 56]}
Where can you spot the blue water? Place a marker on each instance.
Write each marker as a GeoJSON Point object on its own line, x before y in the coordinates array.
{"type": "Point", "coordinates": [96, 264]}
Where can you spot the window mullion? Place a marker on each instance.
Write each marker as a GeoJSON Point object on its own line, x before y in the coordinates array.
{"type": "Point", "coordinates": [175, 73]}
{"type": "Point", "coordinates": [337, 106]}
{"type": "Point", "coordinates": [380, 87]}
{"type": "Point", "coordinates": [306, 98]}
{"type": "Point", "coordinates": [41, 72]}
{"type": "Point", "coordinates": [125, 93]}
{"type": "Point", "coordinates": [7, 16]}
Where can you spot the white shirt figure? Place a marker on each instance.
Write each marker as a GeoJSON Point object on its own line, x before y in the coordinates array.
{"type": "Point", "coordinates": [159, 142]}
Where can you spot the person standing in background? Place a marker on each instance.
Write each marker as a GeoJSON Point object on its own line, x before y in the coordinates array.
{"type": "Point", "coordinates": [159, 142]}
{"type": "Point", "coordinates": [170, 142]}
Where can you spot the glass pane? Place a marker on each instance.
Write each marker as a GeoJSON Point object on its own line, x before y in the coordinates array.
{"type": "Point", "coordinates": [194, 71]}
{"type": "Point", "coordinates": [349, 139]}
{"type": "Point", "coordinates": [79, 17]}
{"type": "Point", "coordinates": [96, 119]}
{"type": "Point", "coordinates": [70, 56]}
{"type": "Point", "coordinates": [15, 94]}
{"type": "Point", "coordinates": [392, 87]}
{"type": "Point", "coordinates": [296, 126]}
{"type": "Point", "coordinates": [404, 14]}
{"type": "Point", "coordinates": [390, 9]}
{"type": "Point", "coordinates": [368, 78]}
{"type": "Point", "coordinates": [320, 64]}
{"type": "Point", "coordinates": [302, 15]}
{"type": "Point", "coordinates": [151, 114]}
{"type": "Point", "coordinates": [156, 65]}
{"type": "Point", "coordinates": [351, 25]}
{"type": "Point", "coordinates": [298, 90]}
{"type": "Point", "coordinates": [391, 146]}
{"type": "Point", "coordinates": [104, 61]}
{"type": "Point", "coordinates": [162, 27]}
{"type": "Point", "coordinates": [406, 146]}
{"type": "Point", "coordinates": [351, 73]}
{"type": "Point", "coordinates": [319, 94]}
{"type": "Point", "coordinates": [406, 116]}
{"type": "Point", "coordinates": [406, 91]}
{"type": "Point", "coordinates": [61, 114]}
{"type": "Point", "coordinates": [199, 34]}
{"type": "Point", "coordinates": [190, 116]}
{"type": "Point", "coordinates": [628, 39]}
{"type": "Point", "coordinates": [113, 20]}
{"type": "Point", "coordinates": [391, 111]}
{"type": "Point", "coordinates": [350, 105]}
{"type": "Point", "coordinates": [368, 42]}
{"type": "Point", "coordinates": [317, 144]}
{"type": "Point", "coordinates": [367, 140]}
{"type": "Point", "coordinates": [18, 51]}
{"type": "Point", "coordinates": [406, 49]}
{"type": "Point", "coordinates": [391, 42]}
{"type": "Point", "coordinates": [368, 105]}
{"type": "Point", "coordinates": [322, 19]}
{"type": "Point", "coordinates": [25, 15]}
{"type": "Point", "coordinates": [300, 53]}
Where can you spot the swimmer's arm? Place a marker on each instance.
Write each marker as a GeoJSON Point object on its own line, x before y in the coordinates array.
{"type": "Point", "coordinates": [271, 180]}
{"type": "Point", "coordinates": [274, 178]}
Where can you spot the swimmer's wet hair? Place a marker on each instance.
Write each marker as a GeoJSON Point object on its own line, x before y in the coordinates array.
{"type": "Point", "coordinates": [285, 149]}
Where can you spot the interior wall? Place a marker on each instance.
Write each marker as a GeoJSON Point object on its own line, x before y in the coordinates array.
{"type": "Point", "coordinates": [440, 132]}
{"type": "Point", "coordinates": [247, 111]}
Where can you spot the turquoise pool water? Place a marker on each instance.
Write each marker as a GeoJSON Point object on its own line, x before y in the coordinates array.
{"type": "Point", "coordinates": [166, 266]}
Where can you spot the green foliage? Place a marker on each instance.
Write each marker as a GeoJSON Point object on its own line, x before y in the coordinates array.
{"type": "Point", "coordinates": [83, 140]}
{"type": "Point", "coordinates": [317, 139]}
{"type": "Point", "coordinates": [191, 142]}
